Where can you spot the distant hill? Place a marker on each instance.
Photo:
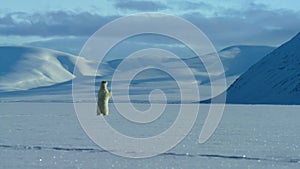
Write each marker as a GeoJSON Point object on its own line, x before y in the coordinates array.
{"type": "Point", "coordinates": [273, 80]}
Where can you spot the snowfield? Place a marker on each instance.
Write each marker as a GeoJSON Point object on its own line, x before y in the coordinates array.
{"type": "Point", "coordinates": [48, 135]}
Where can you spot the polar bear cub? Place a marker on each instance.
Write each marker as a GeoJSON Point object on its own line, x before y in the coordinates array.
{"type": "Point", "coordinates": [103, 97]}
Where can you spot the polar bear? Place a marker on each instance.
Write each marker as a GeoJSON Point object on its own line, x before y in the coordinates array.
{"type": "Point", "coordinates": [103, 97]}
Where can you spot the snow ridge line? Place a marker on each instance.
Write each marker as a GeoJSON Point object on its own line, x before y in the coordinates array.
{"type": "Point", "coordinates": [24, 147]}
{"type": "Point", "coordinates": [94, 150]}
{"type": "Point", "coordinates": [293, 160]}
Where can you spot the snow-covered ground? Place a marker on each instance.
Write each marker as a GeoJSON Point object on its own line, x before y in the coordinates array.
{"type": "Point", "coordinates": [48, 135]}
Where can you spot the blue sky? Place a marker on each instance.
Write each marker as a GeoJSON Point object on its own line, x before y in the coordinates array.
{"type": "Point", "coordinates": [66, 24]}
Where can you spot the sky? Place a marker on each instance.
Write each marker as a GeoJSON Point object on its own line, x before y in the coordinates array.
{"type": "Point", "coordinates": [66, 25]}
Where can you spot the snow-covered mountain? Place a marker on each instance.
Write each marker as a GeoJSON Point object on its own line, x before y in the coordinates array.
{"type": "Point", "coordinates": [236, 60]}
{"type": "Point", "coordinates": [273, 80]}
{"type": "Point", "coordinates": [26, 70]}
{"type": "Point", "coordinates": [23, 68]}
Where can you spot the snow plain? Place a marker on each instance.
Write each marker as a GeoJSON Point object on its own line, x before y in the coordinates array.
{"type": "Point", "coordinates": [48, 135]}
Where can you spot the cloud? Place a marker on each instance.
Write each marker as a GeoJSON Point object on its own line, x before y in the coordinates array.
{"type": "Point", "coordinates": [139, 5]}
{"type": "Point", "coordinates": [54, 23]}
{"type": "Point", "coordinates": [256, 25]}
{"type": "Point", "coordinates": [191, 5]}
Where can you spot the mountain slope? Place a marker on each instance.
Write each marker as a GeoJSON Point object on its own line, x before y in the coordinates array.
{"type": "Point", "coordinates": [23, 68]}
{"type": "Point", "coordinates": [273, 80]}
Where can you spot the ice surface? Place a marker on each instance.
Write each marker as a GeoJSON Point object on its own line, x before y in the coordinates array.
{"type": "Point", "coordinates": [48, 135]}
